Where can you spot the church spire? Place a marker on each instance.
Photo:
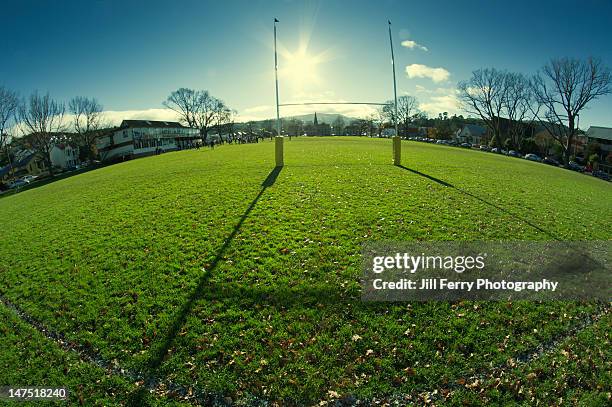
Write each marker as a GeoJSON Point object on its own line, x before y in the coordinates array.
{"type": "Point", "coordinates": [316, 122]}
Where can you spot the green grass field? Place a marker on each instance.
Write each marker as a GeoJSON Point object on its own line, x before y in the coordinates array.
{"type": "Point", "coordinates": [210, 269]}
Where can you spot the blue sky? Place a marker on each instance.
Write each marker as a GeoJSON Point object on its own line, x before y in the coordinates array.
{"type": "Point", "coordinates": [132, 54]}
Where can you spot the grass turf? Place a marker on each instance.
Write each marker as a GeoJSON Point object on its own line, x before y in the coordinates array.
{"type": "Point", "coordinates": [579, 372]}
{"type": "Point", "coordinates": [28, 358]}
{"type": "Point", "coordinates": [114, 259]}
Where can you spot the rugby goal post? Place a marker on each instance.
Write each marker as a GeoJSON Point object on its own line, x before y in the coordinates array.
{"type": "Point", "coordinates": [279, 140]}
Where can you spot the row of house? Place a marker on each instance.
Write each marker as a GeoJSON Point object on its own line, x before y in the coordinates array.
{"type": "Point", "coordinates": [138, 138]}
{"type": "Point", "coordinates": [474, 134]}
{"type": "Point", "coordinates": [28, 162]}
{"type": "Point", "coordinates": [133, 138]}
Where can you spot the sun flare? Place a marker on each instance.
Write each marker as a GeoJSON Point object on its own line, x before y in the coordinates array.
{"type": "Point", "coordinates": [300, 69]}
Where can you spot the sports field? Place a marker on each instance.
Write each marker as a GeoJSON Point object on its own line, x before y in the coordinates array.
{"type": "Point", "coordinates": [208, 275]}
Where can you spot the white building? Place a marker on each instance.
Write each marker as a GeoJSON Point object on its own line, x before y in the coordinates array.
{"type": "Point", "coordinates": [472, 133]}
{"type": "Point", "coordinates": [136, 138]}
{"type": "Point", "coordinates": [64, 156]}
{"type": "Point", "coordinates": [601, 136]}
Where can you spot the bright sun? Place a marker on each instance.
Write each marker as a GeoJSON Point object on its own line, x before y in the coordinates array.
{"type": "Point", "coordinates": [300, 69]}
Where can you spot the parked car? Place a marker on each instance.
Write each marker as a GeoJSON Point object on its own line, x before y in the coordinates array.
{"type": "Point", "coordinates": [29, 178]}
{"type": "Point", "coordinates": [574, 166]}
{"type": "Point", "coordinates": [602, 175]}
{"type": "Point", "coordinates": [533, 157]}
{"type": "Point", "coordinates": [485, 148]}
{"type": "Point", "coordinates": [441, 142]}
{"type": "Point", "coordinates": [550, 161]}
{"type": "Point", "coordinates": [513, 153]}
{"type": "Point", "coordinates": [496, 150]}
{"type": "Point", "coordinates": [18, 183]}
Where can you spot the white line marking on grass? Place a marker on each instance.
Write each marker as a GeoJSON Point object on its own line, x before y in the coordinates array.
{"type": "Point", "coordinates": [166, 388]}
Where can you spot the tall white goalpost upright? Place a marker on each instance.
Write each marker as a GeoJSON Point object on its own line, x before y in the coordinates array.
{"type": "Point", "coordinates": [397, 146]}
{"type": "Point", "coordinates": [278, 143]}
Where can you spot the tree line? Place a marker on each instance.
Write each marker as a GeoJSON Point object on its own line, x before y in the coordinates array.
{"type": "Point", "coordinates": [373, 124]}
{"type": "Point", "coordinates": [40, 122]}
{"type": "Point", "coordinates": [201, 110]}
{"type": "Point", "coordinates": [509, 102]}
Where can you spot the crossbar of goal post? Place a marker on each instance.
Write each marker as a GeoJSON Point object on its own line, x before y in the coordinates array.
{"type": "Point", "coordinates": [278, 145]}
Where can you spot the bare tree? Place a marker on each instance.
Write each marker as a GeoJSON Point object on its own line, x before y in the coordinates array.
{"type": "Point", "coordinates": [360, 127]}
{"type": "Point", "coordinates": [87, 121]}
{"type": "Point", "coordinates": [380, 118]}
{"type": "Point", "coordinates": [375, 123]}
{"type": "Point", "coordinates": [43, 118]}
{"type": "Point", "coordinates": [229, 121]}
{"type": "Point", "coordinates": [338, 125]}
{"type": "Point", "coordinates": [9, 102]}
{"type": "Point", "coordinates": [222, 115]}
{"type": "Point", "coordinates": [294, 127]}
{"type": "Point", "coordinates": [185, 102]}
{"type": "Point", "coordinates": [197, 109]}
{"type": "Point", "coordinates": [407, 108]}
{"type": "Point", "coordinates": [562, 89]}
{"type": "Point", "coordinates": [484, 94]}
{"type": "Point", "coordinates": [517, 103]}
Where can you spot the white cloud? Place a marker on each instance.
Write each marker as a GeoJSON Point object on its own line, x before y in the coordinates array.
{"type": "Point", "coordinates": [424, 71]}
{"type": "Point", "coordinates": [442, 100]}
{"type": "Point", "coordinates": [413, 44]}
{"type": "Point", "coordinates": [261, 112]}
{"type": "Point", "coordinates": [324, 96]}
{"type": "Point", "coordinates": [258, 109]}
{"type": "Point", "coordinates": [478, 91]}
{"type": "Point", "coordinates": [269, 112]}
{"type": "Point", "coordinates": [433, 91]}
{"type": "Point", "coordinates": [257, 112]}
{"type": "Point", "coordinates": [114, 117]}
{"type": "Point", "coordinates": [356, 111]}
{"type": "Point", "coordinates": [421, 89]}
